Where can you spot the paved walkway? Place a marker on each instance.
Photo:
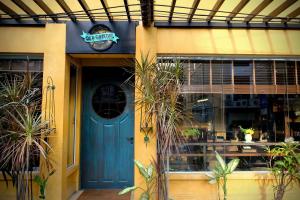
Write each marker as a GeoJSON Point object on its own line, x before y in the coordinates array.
{"type": "Point", "coordinates": [103, 195]}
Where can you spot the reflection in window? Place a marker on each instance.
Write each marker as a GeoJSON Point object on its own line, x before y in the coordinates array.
{"type": "Point", "coordinates": [242, 72]}
{"type": "Point", "coordinates": [221, 72]}
{"type": "Point", "coordinates": [72, 116]}
{"type": "Point", "coordinates": [264, 72]}
{"type": "Point", "coordinates": [199, 71]}
{"type": "Point", "coordinates": [285, 73]}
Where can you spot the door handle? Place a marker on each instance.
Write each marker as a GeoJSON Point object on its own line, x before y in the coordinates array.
{"type": "Point", "coordinates": [130, 139]}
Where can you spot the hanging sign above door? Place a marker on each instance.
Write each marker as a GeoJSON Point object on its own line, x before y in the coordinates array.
{"type": "Point", "coordinates": [100, 37]}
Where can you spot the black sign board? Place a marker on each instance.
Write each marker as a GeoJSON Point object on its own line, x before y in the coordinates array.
{"type": "Point", "coordinates": [101, 37]}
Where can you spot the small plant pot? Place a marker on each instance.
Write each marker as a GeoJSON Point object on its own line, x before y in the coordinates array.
{"type": "Point", "coordinates": [248, 138]}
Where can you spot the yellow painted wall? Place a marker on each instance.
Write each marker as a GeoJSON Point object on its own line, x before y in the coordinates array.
{"type": "Point", "coordinates": [228, 41]}
{"type": "Point", "coordinates": [49, 41]}
{"type": "Point", "coordinates": [145, 43]}
{"type": "Point", "coordinates": [241, 185]}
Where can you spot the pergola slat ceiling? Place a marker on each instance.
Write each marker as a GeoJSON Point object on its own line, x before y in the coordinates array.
{"type": "Point", "coordinates": [46, 9]}
{"type": "Point", "coordinates": [148, 11]}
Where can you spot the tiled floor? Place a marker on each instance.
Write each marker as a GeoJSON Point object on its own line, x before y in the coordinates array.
{"type": "Point", "coordinates": [103, 195]}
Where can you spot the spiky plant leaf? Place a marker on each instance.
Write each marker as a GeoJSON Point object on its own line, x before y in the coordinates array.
{"type": "Point", "coordinates": [220, 161]}
{"type": "Point", "coordinates": [142, 169]}
{"type": "Point", "coordinates": [126, 190]}
{"type": "Point", "coordinates": [231, 166]}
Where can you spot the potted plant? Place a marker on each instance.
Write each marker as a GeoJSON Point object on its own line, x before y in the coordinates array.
{"type": "Point", "coordinates": [285, 167]}
{"type": "Point", "coordinates": [248, 132]}
{"type": "Point", "coordinates": [220, 174]}
{"type": "Point", "coordinates": [149, 175]}
{"type": "Point", "coordinates": [192, 134]}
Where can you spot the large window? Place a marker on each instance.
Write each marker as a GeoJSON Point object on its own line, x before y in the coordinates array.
{"type": "Point", "coordinates": [21, 79]}
{"type": "Point", "coordinates": [222, 95]}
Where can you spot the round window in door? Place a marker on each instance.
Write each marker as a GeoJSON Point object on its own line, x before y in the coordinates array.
{"type": "Point", "coordinates": [109, 101]}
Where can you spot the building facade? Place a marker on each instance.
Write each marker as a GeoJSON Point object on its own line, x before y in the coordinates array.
{"type": "Point", "coordinates": [247, 76]}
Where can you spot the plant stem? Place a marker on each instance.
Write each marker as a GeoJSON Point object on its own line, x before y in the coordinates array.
{"type": "Point", "coordinates": [225, 188]}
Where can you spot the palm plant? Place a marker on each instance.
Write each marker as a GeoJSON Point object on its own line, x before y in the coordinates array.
{"type": "Point", "coordinates": [220, 173]}
{"type": "Point", "coordinates": [285, 167]}
{"type": "Point", "coordinates": [159, 86]}
{"type": "Point", "coordinates": [23, 133]}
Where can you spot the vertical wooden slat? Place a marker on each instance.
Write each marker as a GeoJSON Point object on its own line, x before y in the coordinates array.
{"type": "Point", "coordinates": [274, 76]}
{"type": "Point", "coordinates": [46, 9]}
{"type": "Point", "coordinates": [189, 74]}
{"type": "Point", "coordinates": [127, 10]}
{"type": "Point", "coordinates": [257, 10]}
{"type": "Point", "coordinates": [193, 10]}
{"type": "Point", "coordinates": [254, 76]}
{"type": "Point", "coordinates": [232, 75]}
{"type": "Point", "coordinates": [293, 14]}
{"type": "Point", "coordinates": [104, 5]}
{"type": "Point", "coordinates": [86, 9]}
{"type": "Point", "coordinates": [172, 11]}
{"type": "Point", "coordinates": [67, 9]}
{"type": "Point", "coordinates": [279, 10]}
{"type": "Point", "coordinates": [210, 75]}
{"type": "Point", "coordinates": [26, 9]}
{"type": "Point", "coordinates": [237, 9]}
{"type": "Point", "coordinates": [214, 10]}
{"type": "Point", "coordinates": [9, 11]}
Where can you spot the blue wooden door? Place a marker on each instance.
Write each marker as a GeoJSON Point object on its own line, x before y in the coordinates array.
{"type": "Point", "coordinates": [107, 136]}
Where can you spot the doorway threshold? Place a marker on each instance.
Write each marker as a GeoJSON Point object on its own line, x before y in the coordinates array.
{"type": "Point", "coordinates": [111, 194]}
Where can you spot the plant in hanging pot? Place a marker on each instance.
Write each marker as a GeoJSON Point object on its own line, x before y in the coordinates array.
{"type": "Point", "coordinates": [248, 132]}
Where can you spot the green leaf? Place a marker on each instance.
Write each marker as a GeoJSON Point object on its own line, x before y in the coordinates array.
{"type": "Point", "coordinates": [142, 169]}
{"type": "Point", "coordinates": [221, 161]}
{"type": "Point", "coordinates": [232, 165]}
{"type": "Point", "coordinates": [126, 190]}
{"type": "Point", "coordinates": [212, 181]}
{"type": "Point", "coordinates": [210, 175]}
{"type": "Point", "coordinates": [150, 170]}
{"type": "Point", "coordinates": [144, 196]}
{"type": "Point", "coordinates": [38, 180]}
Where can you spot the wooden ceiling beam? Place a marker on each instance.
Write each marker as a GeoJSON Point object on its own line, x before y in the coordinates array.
{"type": "Point", "coordinates": [193, 10]}
{"type": "Point", "coordinates": [86, 9]}
{"type": "Point", "coordinates": [237, 9]}
{"type": "Point", "coordinates": [104, 5]}
{"type": "Point", "coordinates": [147, 12]}
{"type": "Point", "coordinates": [67, 9]}
{"type": "Point", "coordinates": [257, 10]}
{"type": "Point", "coordinates": [26, 9]}
{"type": "Point", "coordinates": [279, 10]}
{"type": "Point", "coordinates": [46, 9]}
{"type": "Point", "coordinates": [9, 11]}
{"type": "Point", "coordinates": [292, 15]}
{"type": "Point", "coordinates": [172, 11]}
{"type": "Point", "coordinates": [127, 10]}
{"type": "Point", "coordinates": [214, 10]}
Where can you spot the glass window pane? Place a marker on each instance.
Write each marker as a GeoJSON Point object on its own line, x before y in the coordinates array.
{"type": "Point", "coordinates": [285, 73]}
{"type": "Point", "coordinates": [264, 72]}
{"type": "Point", "coordinates": [242, 72]}
{"type": "Point", "coordinates": [199, 71]}
{"type": "Point", "coordinates": [221, 72]}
